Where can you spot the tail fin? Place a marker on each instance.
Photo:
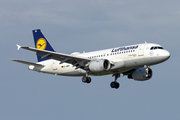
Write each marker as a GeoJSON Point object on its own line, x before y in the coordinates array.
{"type": "Point", "coordinates": [41, 43]}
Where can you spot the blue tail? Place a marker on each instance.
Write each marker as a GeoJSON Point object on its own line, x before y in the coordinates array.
{"type": "Point", "coordinates": [41, 43]}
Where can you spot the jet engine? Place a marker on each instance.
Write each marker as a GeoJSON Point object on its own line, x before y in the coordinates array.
{"type": "Point", "coordinates": [141, 74]}
{"type": "Point", "coordinates": [99, 65]}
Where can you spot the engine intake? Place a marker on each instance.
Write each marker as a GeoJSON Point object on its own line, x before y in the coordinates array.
{"type": "Point", "coordinates": [99, 65]}
{"type": "Point", "coordinates": [141, 74]}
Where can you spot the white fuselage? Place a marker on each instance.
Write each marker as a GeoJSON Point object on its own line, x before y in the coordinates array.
{"type": "Point", "coordinates": [122, 59]}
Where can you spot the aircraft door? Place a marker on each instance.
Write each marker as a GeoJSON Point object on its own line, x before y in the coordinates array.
{"type": "Point", "coordinates": [141, 50]}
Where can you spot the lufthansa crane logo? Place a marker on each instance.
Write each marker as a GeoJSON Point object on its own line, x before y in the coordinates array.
{"type": "Point", "coordinates": [41, 44]}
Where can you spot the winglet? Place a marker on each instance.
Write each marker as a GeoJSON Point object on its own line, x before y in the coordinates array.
{"type": "Point", "coordinates": [18, 46]}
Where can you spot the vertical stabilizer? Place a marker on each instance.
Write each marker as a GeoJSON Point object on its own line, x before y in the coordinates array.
{"type": "Point", "coordinates": [41, 43]}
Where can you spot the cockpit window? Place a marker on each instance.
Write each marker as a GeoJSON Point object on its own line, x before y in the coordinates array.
{"type": "Point", "coordinates": [151, 48]}
{"type": "Point", "coordinates": [160, 47]}
{"type": "Point", "coordinates": [156, 47]}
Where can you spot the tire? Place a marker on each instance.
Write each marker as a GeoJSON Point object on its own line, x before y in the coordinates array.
{"type": "Point", "coordinates": [117, 85]}
{"type": "Point", "coordinates": [113, 84]}
{"type": "Point", "coordinates": [88, 80]}
{"type": "Point", "coordinates": [84, 79]}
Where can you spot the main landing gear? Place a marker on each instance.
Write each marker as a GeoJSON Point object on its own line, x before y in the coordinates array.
{"type": "Point", "coordinates": [86, 79]}
{"type": "Point", "coordinates": [115, 84]}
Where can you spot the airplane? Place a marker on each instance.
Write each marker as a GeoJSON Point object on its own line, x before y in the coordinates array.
{"type": "Point", "coordinates": [133, 61]}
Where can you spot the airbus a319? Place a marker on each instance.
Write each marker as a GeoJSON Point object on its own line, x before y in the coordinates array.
{"type": "Point", "coordinates": [133, 61]}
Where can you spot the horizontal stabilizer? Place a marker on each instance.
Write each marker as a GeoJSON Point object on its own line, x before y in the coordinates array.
{"type": "Point", "coordinates": [27, 63]}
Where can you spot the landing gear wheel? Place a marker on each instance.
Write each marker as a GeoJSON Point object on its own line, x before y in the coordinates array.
{"type": "Point", "coordinates": [115, 85]}
{"type": "Point", "coordinates": [86, 79]}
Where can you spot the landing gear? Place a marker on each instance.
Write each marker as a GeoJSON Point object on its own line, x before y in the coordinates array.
{"type": "Point", "coordinates": [115, 84]}
{"type": "Point", "coordinates": [86, 79]}
{"type": "Point", "coordinates": [147, 70]}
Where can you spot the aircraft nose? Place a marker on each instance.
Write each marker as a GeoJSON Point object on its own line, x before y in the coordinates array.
{"type": "Point", "coordinates": [166, 55]}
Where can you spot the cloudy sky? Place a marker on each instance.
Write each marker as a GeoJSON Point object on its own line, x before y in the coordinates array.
{"type": "Point", "coordinates": [77, 25]}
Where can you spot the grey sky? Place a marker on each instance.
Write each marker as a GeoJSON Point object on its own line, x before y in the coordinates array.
{"type": "Point", "coordinates": [77, 25]}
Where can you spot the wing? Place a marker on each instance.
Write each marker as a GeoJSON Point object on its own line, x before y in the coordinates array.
{"type": "Point", "coordinates": [79, 62]}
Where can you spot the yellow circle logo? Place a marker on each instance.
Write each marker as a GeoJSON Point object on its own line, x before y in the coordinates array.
{"type": "Point", "coordinates": [41, 44]}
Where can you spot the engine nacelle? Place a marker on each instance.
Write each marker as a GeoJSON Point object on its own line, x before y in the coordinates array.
{"type": "Point", "coordinates": [141, 74]}
{"type": "Point", "coordinates": [99, 65]}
